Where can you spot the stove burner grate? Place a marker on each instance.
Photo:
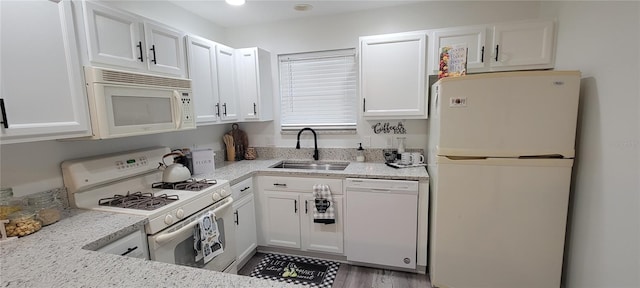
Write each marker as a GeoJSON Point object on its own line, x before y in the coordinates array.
{"type": "Point", "coordinates": [189, 185]}
{"type": "Point", "coordinates": [138, 200]}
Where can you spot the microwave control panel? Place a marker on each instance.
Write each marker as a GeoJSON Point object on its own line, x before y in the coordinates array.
{"type": "Point", "coordinates": [188, 111]}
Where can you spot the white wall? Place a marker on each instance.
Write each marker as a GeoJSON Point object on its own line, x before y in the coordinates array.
{"type": "Point", "coordinates": [342, 31]}
{"type": "Point", "coordinates": [602, 39]}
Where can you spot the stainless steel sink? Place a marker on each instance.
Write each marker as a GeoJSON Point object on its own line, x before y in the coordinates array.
{"type": "Point", "coordinates": [311, 165]}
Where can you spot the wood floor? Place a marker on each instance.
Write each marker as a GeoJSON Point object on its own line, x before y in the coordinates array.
{"type": "Point", "coordinates": [350, 276]}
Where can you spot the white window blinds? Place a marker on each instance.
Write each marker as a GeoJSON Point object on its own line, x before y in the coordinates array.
{"type": "Point", "coordinates": [318, 90]}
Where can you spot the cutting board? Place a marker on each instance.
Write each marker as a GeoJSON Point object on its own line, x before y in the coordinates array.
{"type": "Point", "coordinates": [240, 140]}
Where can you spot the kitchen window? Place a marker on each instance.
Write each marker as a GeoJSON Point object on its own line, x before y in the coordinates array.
{"type": "Point", "coordinates": [318, 90]}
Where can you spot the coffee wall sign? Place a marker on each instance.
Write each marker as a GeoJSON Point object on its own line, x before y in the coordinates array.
{"type": "Point", "coordinates": [387, 128]}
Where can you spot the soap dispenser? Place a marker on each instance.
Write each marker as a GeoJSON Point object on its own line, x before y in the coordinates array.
{"type": "Point", "coordinates": [360, 154]}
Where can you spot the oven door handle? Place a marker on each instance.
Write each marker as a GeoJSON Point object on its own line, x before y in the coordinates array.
{"type": "Point", "coordinates": [164, 238]}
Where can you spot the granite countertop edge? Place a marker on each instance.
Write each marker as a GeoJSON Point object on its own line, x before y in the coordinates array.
{"type": "Point", "coordinates": [60, 255]}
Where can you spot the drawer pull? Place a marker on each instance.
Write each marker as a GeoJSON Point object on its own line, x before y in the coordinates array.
{"type": "Point", "coordinates": [244, 189]}
{"type": "Point", "coordinates": [129, 250]}
{"type": "Point", "coordinates": [280, 184]}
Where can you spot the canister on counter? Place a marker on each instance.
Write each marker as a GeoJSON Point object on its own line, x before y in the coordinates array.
{"type": "Point", "coordinates": [22, 223]}
{"type": "Point", "coordinates": [8, 204]}
{"type": "Point", "coordinates": [47, 206]}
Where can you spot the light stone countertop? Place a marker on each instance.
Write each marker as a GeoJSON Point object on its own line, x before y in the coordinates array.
{"type": "Point", "coordinates": [238, 171]}
{"type": "Point", "coordinates": [60, 255]}
{"type": "Point", "coordinates": [54, 257]}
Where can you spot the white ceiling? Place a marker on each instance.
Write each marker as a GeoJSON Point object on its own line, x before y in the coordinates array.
{"type": "Point", "coordinates": [264, 11]}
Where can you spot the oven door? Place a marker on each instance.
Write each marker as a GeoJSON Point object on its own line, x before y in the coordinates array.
{"type": "Point", "coordinates": [127, 110]}
{"type": "Point", "coordinates": [175, 244]}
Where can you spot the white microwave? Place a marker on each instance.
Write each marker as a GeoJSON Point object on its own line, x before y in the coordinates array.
{"type": "Point", "coordinates": [127, 104]}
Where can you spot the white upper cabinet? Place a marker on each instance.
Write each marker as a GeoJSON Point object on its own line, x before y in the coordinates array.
{"type": "Point", "coordinates": [211, 69]}
{"type": "Point", "coordinates": [118, 39]}
{"type": "Point", "coordinates": [393, 76]}
{"type": "Point", "coordinates": [227, 90]}
{"type": "Point", "coordinates": [521, 45]}
{"type": "Point", "coordinates": [201, 54]}
{"type": "Point", "coordinates": [474, 37]}
{"type": "Point", "coordinates": [255, 89]}
{"type": "Point", "coordinates": [42, 93]}
{"type": "Point", "coordinates": [166, 49]}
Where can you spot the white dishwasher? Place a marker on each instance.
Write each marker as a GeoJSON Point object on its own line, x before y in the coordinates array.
{"type": "Point", "coordinates": [381, 222]}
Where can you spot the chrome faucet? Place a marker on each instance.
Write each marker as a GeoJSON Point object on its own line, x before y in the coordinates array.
{"type": "Point", "coordinates": [315, 142]}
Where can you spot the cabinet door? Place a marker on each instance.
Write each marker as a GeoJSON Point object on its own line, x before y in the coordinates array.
{"type": "Point", "coordinates": [247, 68]}
{"type": "Point", "coordinates": [282, 212]}
{"type": "Point", "coordinates": [165, 48]}
{"type": "Point", "coordinates": [392, 76]}
{"type": "Point", "coordinates": [204, 79]}
{"type": "Point", "coordinates": [528, 45]}
{"type": "Point", "coordinates": [41, 83]}
{"type": "Point", "coordinates": [114, 37]}
{"type": "Point", "coordinates": [226, 82]}
{"type": "Point", "coordinates": [473, 37]}
{"type": "Point", "coordinates": [322, 237]}
{"type": "Point", "coordinates": [246, 239]}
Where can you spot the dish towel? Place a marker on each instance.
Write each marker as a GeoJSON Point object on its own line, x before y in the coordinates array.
{"type": "Point", "coordinates": [206, 241]}
{"type": "Point", "coordinates": [323, 211]}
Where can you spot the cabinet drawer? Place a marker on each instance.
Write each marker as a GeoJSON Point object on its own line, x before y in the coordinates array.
{"type": "Point", "coordinates": [278, 183]}
{"type": "Point", "coordinates": [242, 188]}
{"type": "Point", "coordinates": [132, 245]}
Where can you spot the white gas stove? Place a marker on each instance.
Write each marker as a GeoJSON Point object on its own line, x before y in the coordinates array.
{"type": "Point", "coordinates": [130, 183]}
{"type": "Point", "coordinates": [99, 183]}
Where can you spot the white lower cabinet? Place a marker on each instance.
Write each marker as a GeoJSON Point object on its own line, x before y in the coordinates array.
{"type": "Point", "coordinates": [245, 219]}
{"type": "Point", "coordinates": [286, 215]}
{"type": "Point", "coordinates": [246, 239]}
{"type": "Point", "coordinates": [132, 245]}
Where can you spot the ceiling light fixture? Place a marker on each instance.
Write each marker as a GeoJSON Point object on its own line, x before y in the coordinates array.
{"type": "Point", "coordinates": [235, 2]}
{"type": "Point", "coordinates": [302, 7]}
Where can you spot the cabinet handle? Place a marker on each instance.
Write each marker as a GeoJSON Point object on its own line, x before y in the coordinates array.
{"type": "Point", "coordinates": [129, 250]}
{"type": "Point", "coordinates": [244, 189]}
{"type": "Point", "coordinates": [237, 218]}
{"type": "Point", "coordinates": [254, 109]}
{"type": "Point", "coordinates": [280, 185]}
{"type": "Point", "coordinates": [140, 48]}
{"type": "Point", "coordinates": [497, 51]}
{"type": "Point", "coordinates": [306, 208]}
{"type": "Point", "coordinates": [364, 104]}
{"type": "Point", "coordinates": [295, 206]}
{"type": "Point", "coordinates": [482, 55]}
{"type": "Point", "coordinates": [218, 109]}
{"type": "Point", "coordinates": [153, 49]}
{"type": "Point", "coordinates": [4, 122]}
{"type": "Point", "coordinates": [225, 109]}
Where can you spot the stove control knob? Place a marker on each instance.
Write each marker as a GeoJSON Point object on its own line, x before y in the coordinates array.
{"type": "Point", "coordinates": [180, 213]}
{"type": "Point", "coordinates": [224, 192]}
{"type": "Point", "coordinates": [168, 219]}
{"type": "Point", "coordinates": [215, 196]}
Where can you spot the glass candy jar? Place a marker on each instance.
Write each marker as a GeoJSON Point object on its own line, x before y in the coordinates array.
{"type": "Point", "coordinates": [8, 204]}
{"type": "Point", "coordinates": [22, 223]}
{"type": "Point", "coordinates": [47, 206]}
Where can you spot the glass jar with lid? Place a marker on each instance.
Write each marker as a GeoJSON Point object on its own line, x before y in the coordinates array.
{"type": "Point", "coordinates": [8, 204]}
{"type": "Point", "coordinates": [22, 223]}
{"type": "Point", "coordinates": [46, 205]}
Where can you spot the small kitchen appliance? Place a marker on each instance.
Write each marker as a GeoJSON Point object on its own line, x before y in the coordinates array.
{"type": "Point", "coordinates": [131, 183]}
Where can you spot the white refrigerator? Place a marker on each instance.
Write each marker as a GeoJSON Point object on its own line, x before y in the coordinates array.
{"type": "Point", "coordinates": [500, 154]}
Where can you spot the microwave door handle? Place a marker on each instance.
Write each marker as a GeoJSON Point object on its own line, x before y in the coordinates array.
{"type": "Point", "coordinates": [178, 109]}
{"type": "Point", "coordinates": [164, 238]}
